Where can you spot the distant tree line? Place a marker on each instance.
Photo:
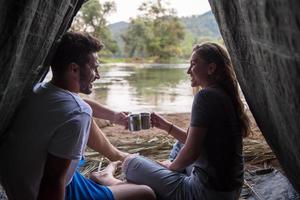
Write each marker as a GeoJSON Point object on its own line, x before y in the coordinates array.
{"type": "Point", "coordinates": [156, 33]}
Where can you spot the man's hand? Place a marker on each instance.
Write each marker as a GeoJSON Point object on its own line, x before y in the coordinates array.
{"type": "Point", "coordinates": [121, 118]}
{"type": "Point", "coordinates": [103, 112]}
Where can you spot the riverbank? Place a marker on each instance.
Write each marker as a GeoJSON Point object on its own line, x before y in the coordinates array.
{"type": "Point", "coordinates": [138, 60]}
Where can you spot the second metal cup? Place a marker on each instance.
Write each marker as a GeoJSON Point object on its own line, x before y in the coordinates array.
{"type": "Point", "coordinates": [145, 120]}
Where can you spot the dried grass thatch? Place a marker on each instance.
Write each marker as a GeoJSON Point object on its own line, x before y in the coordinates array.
{"type": "Point", "coordinates": [256, 152]}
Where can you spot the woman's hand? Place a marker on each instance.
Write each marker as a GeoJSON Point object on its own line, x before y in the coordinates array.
{"type": "Point", "coordinates": [165, 163]}
{"type": "Point", "coordinates": [159, 122]}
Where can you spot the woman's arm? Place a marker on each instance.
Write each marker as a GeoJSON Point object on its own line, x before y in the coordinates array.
{"type": "Point", "coordinates": [177, 132]}
{"type": "Point", "coordinates": [191, 150]}
{"type": "Point", "coordinates": [161, 123]}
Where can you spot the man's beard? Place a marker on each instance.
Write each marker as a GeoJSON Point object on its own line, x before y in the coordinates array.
{"type": "Point", "coordinates": [85, 89]}
{"type": "Point", "coordinates": [84, 84]}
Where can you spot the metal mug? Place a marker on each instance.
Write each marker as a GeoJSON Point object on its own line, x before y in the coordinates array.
{"type": "Point", "coordinates": [145, 120]}
{"type": "Point", "coordinates": [134, 122]}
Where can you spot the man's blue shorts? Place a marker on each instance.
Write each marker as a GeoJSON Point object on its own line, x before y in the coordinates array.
{"type": "Point", "coordinates": [82, 188]}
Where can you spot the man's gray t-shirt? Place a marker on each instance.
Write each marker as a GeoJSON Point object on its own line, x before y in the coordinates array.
{"type": "Point", "coordinates": [213, 109]}
{"type": "Point", "coordinates": [51, 120]}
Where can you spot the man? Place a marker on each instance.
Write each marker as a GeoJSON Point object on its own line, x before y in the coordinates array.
{"type": "Point", "coordinates": [49, 134]}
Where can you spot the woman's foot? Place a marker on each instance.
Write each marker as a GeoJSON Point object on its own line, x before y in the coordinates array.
{"type": "Point", "coordinates": [106, 176]}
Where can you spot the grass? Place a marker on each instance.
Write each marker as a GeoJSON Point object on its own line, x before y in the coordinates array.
{"type": "Point", "coordinates": [158, 148]}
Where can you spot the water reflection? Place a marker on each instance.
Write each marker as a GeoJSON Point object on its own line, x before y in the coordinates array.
{"type": "Point", "coordinates": [149, 87]}
{"type": "Point", "coordinates": [136, 88]}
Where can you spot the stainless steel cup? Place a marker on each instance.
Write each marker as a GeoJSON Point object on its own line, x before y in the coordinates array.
{"type": "Point", "coordinates": [145, 120]}
{"type": "Point", "coordinates": [134, 122]}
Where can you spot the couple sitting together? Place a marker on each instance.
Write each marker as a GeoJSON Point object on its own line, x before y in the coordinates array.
{"type": "Point", "coordinates": [48, 136]}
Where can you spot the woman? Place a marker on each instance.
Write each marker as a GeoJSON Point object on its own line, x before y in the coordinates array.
{"type": "Point", "coordinates": [206, 162]}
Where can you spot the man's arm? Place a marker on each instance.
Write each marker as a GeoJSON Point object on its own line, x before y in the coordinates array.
{"type": "Point", "coordinates": [191, 150]}
{"type": "Point", "coordinates": [97, 139]}
{"type": "Point", "coordinates": [54, 178]}
{"type": "Point", "coordinates": [100, 111]}
{"type": "Point", "coordinates": [98, 142]}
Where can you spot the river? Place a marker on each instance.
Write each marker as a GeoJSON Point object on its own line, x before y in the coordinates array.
{"type": "Point", "coordinates": [163, 88]}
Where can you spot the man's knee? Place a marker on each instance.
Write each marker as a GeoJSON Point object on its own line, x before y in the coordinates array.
{"type": "Point", "coordinates": [147, 193]}
{"type": "Point", "coordinates": [132, 192]}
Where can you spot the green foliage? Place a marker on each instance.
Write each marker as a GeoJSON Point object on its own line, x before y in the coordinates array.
{"type": "Point", "coordinates": [156, 35]}
{"type": "Point", "coordinates": [92, 18]}
{"type": "Point", "coordinates": [202, 25]}
{"type": "Point", "coordinates": [156, 32]}
{"type": "Point", "coordinates": [186, 45]}
{"type": "Point", "coordinates": [138, 37]}
{"type": "Point", "coordinates": [191, 40]}
{"type": "Point", "coordinates": [117, 30]}
{"type": "Point", "coordinates": [197, 29]}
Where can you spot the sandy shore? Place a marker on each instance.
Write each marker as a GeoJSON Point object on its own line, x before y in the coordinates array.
{"type": "Point", "coordinates": [116, 132]}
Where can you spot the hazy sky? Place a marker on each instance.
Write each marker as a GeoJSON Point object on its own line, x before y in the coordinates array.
{"type": "Point", "coordinates": [128, 8]}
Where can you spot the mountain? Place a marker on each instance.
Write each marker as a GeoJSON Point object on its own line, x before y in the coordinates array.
{"type": "Point", "coordinates": [203, 25]}
{"type": "Point", "coordinates": [117, 29]}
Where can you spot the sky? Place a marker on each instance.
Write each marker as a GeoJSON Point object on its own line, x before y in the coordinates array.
{"type": "Point", "coordinates": [128, 8]}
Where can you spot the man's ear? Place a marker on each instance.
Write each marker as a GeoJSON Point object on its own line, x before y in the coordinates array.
{"type": "Point", "coordinates": [211, 68]}
{"type": "Point", "coordinates": [73, 67]}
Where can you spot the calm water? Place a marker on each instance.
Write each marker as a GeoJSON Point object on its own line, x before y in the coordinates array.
{"type": "Point", "coordinates": [148, 87]}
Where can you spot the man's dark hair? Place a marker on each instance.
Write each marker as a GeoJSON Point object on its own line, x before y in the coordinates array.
{"type": "Point", "coordinates": [74, 47]}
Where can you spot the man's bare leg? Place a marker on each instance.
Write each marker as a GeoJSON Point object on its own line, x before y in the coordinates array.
{"type": "Point", "coordinates": [122, 190]}
{"type": "Point", "coordinates": [106, 176]}
{"type": "Point", "coordinates": [128, 191]}
{"type": "Point", "coordinates": [98, 142]}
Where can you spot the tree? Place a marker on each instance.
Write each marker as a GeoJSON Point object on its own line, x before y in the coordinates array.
{"type": "Point", "coordinates": [92, 19]}
{"type": "Point", "coordinates": [137, 38]}
{"type": "Point", "coordinates": [156, 32]}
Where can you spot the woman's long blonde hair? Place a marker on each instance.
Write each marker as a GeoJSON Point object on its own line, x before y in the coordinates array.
{"type": "Point", "coordinates": [225, 77]}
